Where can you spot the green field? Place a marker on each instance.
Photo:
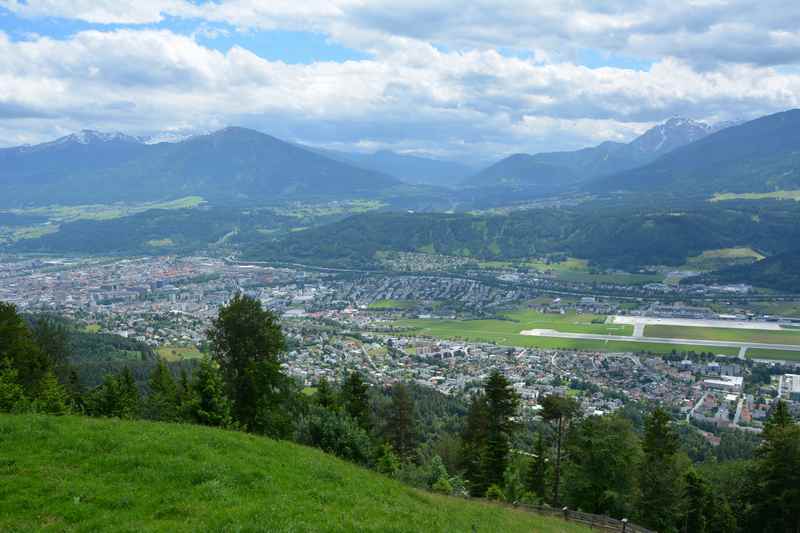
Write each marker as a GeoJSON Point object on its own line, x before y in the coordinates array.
{"type": "Point", "coordinates": [82, 474]}
{"type": "Point", "coordinates": [724, 257]}
{"type": "Point", "coordinates": [576, 271]}
{"type": "Point", "coordinates": [391, 304]}
{"type": "Point", "coordinates": [776, 195]}
{"type": "Point", "coordinates": [763, 353]}
{"type": "Point", "coordinates": [724, 334]}
{"type": "Point", "coordinates": [178, 353]}
{"type": "Point", "coordinates": [506, 333]}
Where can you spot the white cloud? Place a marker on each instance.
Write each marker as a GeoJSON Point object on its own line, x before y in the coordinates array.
{"type": "Point", "coordinates": [146, 80]}
{"type": "Point", "coordinates": [435, 80]}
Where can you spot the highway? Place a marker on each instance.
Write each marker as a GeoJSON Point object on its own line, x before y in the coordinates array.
{"type": "Point", "coordinates": [659, 340]}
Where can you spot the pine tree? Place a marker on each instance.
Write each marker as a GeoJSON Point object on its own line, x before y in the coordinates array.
{"type": "Point", "coordinates": [18, 347]}
{"type": "Point", "coordinates": [536, 479]}
{"type": "Point", "coordinates": [660, 488]}
{"type": "Point", "coordinates": [697, 496]}
{"type": "Point", "coordinates": [559, 412]}
{"type": "Point", "coordinates": [128, 399]}
{"type": "Point", "coordinates": [326, 395]}
{"type": "Point", "coordinates": [210, 405]}
{"type": "Point", "coordinates": [51, 397]}
{"type": "Point", "coordinates": [75, 391]}
{"type": "Point", "coordinates": [502, 403]}
{"type": "Point", "coordinates": [400, 423]}
{"type": "Point", "coordinates": [388, 463]}
{"type": "Point", "coordinates": [356, 400]}
{"type": "Point", "coordinates": [12, 395]}
{"type": "Point", "coordinates": [163, 401]}
{"type": "Point", "coordinates": [473, 447]}
{"type": "Point", "coordinates": [775, 478]}
{"type": "Point", "coordinates": [600, 473]}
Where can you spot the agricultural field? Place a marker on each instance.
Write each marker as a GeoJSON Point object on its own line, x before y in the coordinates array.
{"type": "Point", "coordinates": [577, 271]}
{"type": "Point", "coordinates": [724, 257]}
{"type": "Point", "coordinates": [764, 353]}
{"type": "Point", "coordinates": [379, 305]}
{"type": "Point", "coordinates": [724, 334]}
{"type": "Point", "coordinates": [774, 195]}
{"type": "Point", "coordinates": [179, 353]}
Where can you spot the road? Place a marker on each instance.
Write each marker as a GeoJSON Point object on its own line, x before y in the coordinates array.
{"type": "Point", "coordinates": [659, 340]}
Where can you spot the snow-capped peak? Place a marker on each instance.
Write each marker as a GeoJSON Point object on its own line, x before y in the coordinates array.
{"type": "Point", "coordinates": [673, 133]}
{"type": "Point", "coordinates": [92, 136]}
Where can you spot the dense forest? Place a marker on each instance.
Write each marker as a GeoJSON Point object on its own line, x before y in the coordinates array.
{"type": "Point", "coordinates": [636, 463]}
{"type": "Point", "coordinates": [620, 235]}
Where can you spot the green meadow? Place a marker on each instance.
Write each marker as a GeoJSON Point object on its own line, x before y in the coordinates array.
{"type": "Point", "coordinates": [84, 474]}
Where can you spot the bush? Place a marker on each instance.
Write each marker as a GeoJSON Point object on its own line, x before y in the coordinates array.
{"type": "Point", "coordinates": [442, 486]}
{"type": "Point", "coordinates": [495, 493]}
{"type": "Point", "coordinates": [335, 433]}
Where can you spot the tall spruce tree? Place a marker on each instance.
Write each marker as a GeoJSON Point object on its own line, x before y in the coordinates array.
{"type": "Point", "coordinates": [536, 476]}
{"type": "Point", "coordinates": [559, 412]}
{"type": "Point", "coordinates": [325, 395]}
{"type": "Point", "coordinates": [400, 423]}
{"type": "Point", "coordinates": [603, 453]}
{"type": "Point", "coordinates": [355, 399]}
{"type": "Point", "coordinates": [209, 404]}
{"type": "Point", "coordinates": [775, 477]}
{"type": "Point", "coordinates": [502, 403]}
{"type": "Point", "coordinates": [660, 487]}
{"type": "Point", "coordinates": [163, 400]}
{"type": "Point", "coordinates": [18, 347]}
{"type": "Point", "coordinates": [473, 445]}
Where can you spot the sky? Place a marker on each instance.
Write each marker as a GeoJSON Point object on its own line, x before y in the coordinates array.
{"type": "Point", "coordinates": [469, 81]}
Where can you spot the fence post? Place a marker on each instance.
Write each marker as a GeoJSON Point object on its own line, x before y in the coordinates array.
{"type": "Point", "coordinates": [624, 525]}
{"type": "Point", "coordinates": [566, 513]}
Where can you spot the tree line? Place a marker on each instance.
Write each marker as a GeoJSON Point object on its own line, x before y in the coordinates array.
{"type": "Point", "coordinates": [490, 448]}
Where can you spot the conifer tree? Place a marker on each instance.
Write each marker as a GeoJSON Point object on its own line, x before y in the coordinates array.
{"type": "Point", "coordinates": [775, 478]}
{"type": "Point", "coordinates": [473, 447]}
{"type": "Point", "coordinates": [502, 403]}
{"type": "Point", "coordinates": [12, 395]}
{"type": "Point", "coordinates": [326, 395]}
{"type": "Point", "coordinates": [210, 405]}
{"type": "Point", "coordinates": [356, 400]}
{"type": "Point", "coordinates": [400, 424]}
{"type": "Point", "coordinates": [51, 397]}
{"type": "Point", "coordinates": [660, 487]}
{"type": "Point", "coordinates": [536, 478]}
{"type": "Point", "coordinates": [163, 401]}
{"type": "Point", "coordinates": [559, 412]}
{"type": "Point", "coordinates": [18, 347]}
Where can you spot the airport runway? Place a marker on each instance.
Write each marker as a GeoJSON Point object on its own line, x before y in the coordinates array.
{"type": "Point", "coordinates": [659, 340]}
{"type": "Point", "coordinates": [642, 321]}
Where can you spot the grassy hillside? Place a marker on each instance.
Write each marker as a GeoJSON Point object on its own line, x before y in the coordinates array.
{"type": "Point", "coordinates": [83, 474]}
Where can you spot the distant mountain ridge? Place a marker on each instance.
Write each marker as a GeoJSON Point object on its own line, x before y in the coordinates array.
{"type": "Point", "coordinates": [409, 168]}
{"type": "Point", "coordinates": [233, 164]}
{"type": "Point", "coordinates": [553, 172]}
{"type": "Point", "coordinates": [761, 155]}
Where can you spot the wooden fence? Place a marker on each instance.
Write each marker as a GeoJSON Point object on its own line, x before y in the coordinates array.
{"type": "Point", "coordinates": [599, 522]}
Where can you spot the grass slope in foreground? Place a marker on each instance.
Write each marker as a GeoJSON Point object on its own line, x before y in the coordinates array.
{"type": "Point", "coordinates": [84, 474]}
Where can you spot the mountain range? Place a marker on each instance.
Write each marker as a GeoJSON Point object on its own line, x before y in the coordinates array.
{"type": "Point", "coordinates": [758, 156]}
{"type": "Point", "coordinates": [556, 172]}
{"type": "Point", "coordinates": [243, 166]}
{"type": "Point", "coordinates": [233, 164]}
